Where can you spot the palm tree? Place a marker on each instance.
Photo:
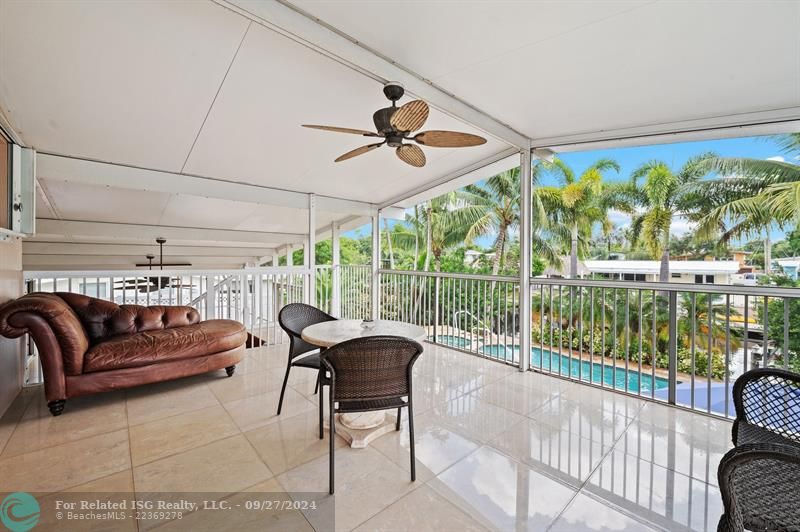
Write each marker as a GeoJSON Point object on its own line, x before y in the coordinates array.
{"type": "Point", "coordinates": [693, 326]}
{"type": "Point", "coordinates": [579, 203]}
{"type": "Point", "coordinates": [753, 194]}
{"type": "Point", "coordinates": [661, 194]}
{"type": "Point", "coordinates": [497, 207]}
{"type": "Point", "coordinates": [447, 220]}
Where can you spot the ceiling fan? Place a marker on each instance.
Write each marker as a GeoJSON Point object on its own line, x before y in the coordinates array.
{"type": "Point", "coordinates": [154, 284]}
{"type": "Point", "coordinates": [397, 124]}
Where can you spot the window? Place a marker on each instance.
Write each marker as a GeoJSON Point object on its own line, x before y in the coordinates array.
{"type": "Point", "coordinates": [634, 277]}
{"type": "Point", "coordinates": [710, 279]}
{"type": "Point", "coordinates": [698, 279]}
{"type": "Point", "coordinates": [675, 275]}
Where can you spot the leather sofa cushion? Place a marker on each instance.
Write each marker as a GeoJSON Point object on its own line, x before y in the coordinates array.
{"type": "Point", "coordinates": [151, 347]}
{"type": "Point", "coordinates": [104, 319]}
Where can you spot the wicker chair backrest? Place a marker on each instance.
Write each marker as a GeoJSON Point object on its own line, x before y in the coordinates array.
{"type": "Point", "coordinates": [371, 368]}
{"type": "Point", "coordinates": [295, 317]}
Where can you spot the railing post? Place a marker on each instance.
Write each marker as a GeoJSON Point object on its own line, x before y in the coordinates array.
{"type": "Point", "coordinates": [525, 260]}
{"type": "Point", "coordinates": [672, 348]}
{"type": "Point", "coordinates": [436, 285]}
{"type": "Point", "coordinates": [211, 300]}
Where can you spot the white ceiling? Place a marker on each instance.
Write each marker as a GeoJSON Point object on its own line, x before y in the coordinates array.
{"type": "Point", "coordinates": [83, 79]}
{"type": "Point", "coordinates": [201, 89]}
{"type": "Point", "coordinates": [555, 69]}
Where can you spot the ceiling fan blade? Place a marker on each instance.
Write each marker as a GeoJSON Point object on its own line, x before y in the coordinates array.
{"type": "Point", "coordinates": [363, 132]}
{"type": "Point", "coordinates": [411, 116]}
{"type": "Point", "coordinates": [448, 139]}
{"type": "Point", "coordinates": [356, 152]}
{"type": "Point", "coordinates": [410, 154]}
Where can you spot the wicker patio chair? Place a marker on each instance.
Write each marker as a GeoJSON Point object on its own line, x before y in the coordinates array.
{"type": "Point", "coordinates": [371, 373]}
{"type": "Point", "coordinates": [760, 477]}
{"type": "Point", "coordinates": [767, 402]}
{"type": "Point", "coordinates": [293, 318]}
{"type": "Point", "coordinates": [759, 483]}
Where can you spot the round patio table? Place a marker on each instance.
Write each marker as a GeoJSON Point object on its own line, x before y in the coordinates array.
{"type": "Point", "coordinates": [362, 427]}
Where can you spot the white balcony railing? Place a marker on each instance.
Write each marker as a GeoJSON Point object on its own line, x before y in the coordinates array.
{"type": "Point", "coordinates": [674, 343]}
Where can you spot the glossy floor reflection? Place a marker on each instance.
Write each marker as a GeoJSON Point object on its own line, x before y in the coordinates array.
{"type": "Point", "coordinates": [496, 450]}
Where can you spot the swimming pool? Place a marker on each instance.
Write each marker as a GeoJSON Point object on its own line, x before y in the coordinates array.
{"type": "Point", "coordinates": [582, 369]}
{"type": "Point", "coordinates": [452, 341]}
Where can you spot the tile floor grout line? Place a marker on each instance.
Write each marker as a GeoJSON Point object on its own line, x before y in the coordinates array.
{"type": "Point", "coordinates": [104, 433]}
{"type": "Point", "coordinates": [16, 423]}
{"type": "Point", "coordinates": [593, 471]}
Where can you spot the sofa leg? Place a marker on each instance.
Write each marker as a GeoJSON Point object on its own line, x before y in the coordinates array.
{"type": "Point", "coordinates": [229, 370]}
{"type": "Point", "coordinates": [56, 407]}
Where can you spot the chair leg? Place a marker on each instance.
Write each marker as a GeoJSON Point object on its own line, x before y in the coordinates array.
{"type": "Point", "coordinates": [316, 387]}
{"type": "Point", "coordinates": [332, 434]}
{"type": "Point", "coordinates": [411, 436]}
{"type": "Point", "coordinates": [283, 388]}
{"type": "Point", "coordinates": [397, 424]}
{"type": "Point", "coordinates": [229, 370]}
{"type": "Point", "coordinates": [319, 400]}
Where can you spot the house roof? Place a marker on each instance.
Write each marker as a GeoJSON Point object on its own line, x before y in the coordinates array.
{"type": "Point", "coordinates": [653, 266]}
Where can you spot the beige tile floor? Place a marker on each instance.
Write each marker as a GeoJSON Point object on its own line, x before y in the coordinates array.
{"type": "Point", "coordinates": [496, 450]}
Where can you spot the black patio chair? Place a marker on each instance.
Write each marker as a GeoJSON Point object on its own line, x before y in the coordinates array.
{"type": "Point", "coordinates": [760, 477]}
{"type": "Point", "coordinates": [293, 318]}
{"type": "Point", "coordinates": [366, 374]}
{"type": "Point", "coordinates": [759, 483]}
{"type": "Point", "coordinates": [767, 402]}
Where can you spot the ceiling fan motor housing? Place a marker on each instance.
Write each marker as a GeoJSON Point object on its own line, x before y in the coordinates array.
{"type": "Point", "coordinates": [382, 118]}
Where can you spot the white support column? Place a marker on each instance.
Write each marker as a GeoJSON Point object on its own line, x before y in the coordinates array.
{"type": "Point", "coordinates": [525, 260]}
{"type": "Point", "coordinates": [309, 256]}
{"type": "Point", "coordinates": [336, 274]}
{"type": "Point", "coordinates": [289, 256]}
{"type": "Point", "coordinates": [376, 264]}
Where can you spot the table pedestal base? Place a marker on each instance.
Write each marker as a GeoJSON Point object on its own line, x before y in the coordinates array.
{"type": "Point", "coordinates": [361, 428]}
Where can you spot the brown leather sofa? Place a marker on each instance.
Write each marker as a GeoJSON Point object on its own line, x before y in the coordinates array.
{"type": "Point", "coordinates": [89, 345]}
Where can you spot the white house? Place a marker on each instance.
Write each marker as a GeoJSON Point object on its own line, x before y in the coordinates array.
{"type": "Point", "coordinates": [681, 271]}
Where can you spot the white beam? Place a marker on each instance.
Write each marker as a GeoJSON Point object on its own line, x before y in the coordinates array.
{"type": "Point", "coordinates": [137, 250]}
{"type": "Point", "coordinates": [469, 174]}
{"type": "Point", "coordinates": [84, 171]}
{"type": "Point", "coordinates": [715, 128]}
{"type": "Point", "coordinates": [96, 262]}
{"type": "Point", "coordinates": [301, 27]}
{"type": "Point", "coordinates": [114, 231]}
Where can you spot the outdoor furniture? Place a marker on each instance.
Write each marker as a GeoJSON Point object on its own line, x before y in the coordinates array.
{"type": "Point", "coordinates": [90, 345]}
{"type": "Point", "coordinates": [759, 479]}
{"type": "Point", "coordinates": [361, 428]}
{"type": "Point", "coordinates": [293, 318]}
{"type": "Point", "coordinates": [369, 374]}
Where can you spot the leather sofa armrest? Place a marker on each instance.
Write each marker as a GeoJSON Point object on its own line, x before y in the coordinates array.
{"type": "Point", "coordinates": [54, 327]}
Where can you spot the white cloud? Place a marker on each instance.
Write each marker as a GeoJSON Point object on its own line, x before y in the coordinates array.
{"type": "Point", "coordinates": [778, 158]}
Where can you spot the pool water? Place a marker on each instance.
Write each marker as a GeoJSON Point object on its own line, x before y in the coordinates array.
{"type": "Point", "coordinates": [452, 341]}
{"type": "Point", "coordinates": [581, 369]}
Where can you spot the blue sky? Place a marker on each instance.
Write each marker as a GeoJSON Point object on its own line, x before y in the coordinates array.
{"type": "Point", "coordinates": [673, 154]}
